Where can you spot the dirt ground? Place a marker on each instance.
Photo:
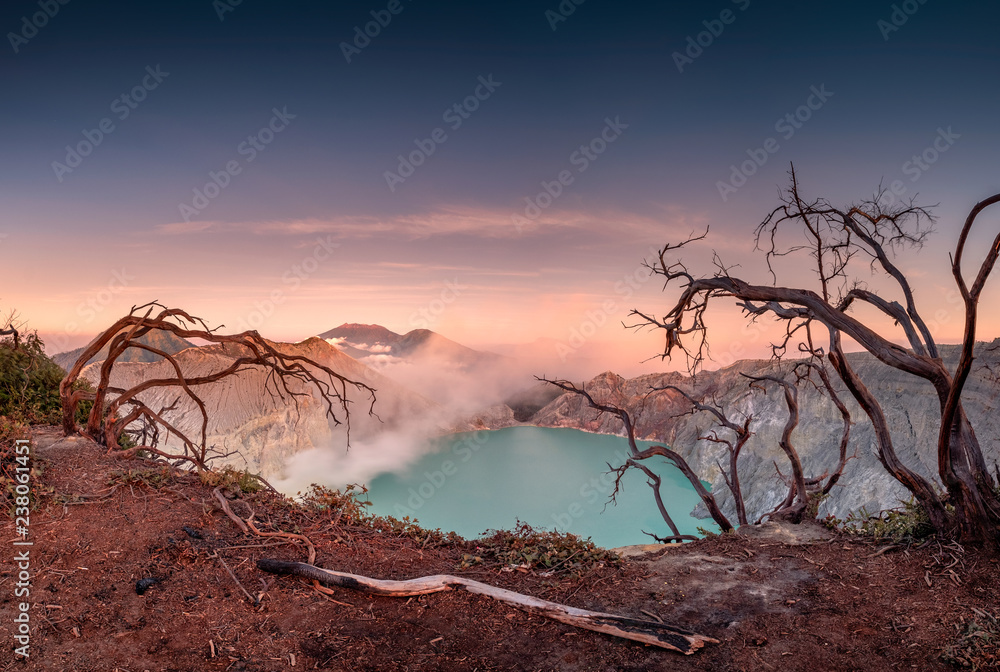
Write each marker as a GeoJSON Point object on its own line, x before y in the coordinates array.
{"type": "Point", "coordinates": [777, 597]}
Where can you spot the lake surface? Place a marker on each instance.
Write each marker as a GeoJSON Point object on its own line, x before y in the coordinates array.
{"type": "Point", "coordinates": [549, 478]}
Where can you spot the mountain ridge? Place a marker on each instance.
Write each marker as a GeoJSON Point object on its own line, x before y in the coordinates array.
{"type": "Point", "coordinates": [161, 340]}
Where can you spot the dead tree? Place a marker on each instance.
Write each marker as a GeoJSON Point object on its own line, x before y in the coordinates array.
{"type": "Point", "coordinates": [797, 500]}
{"type": "Point", "coordinates": [637, 456]}
{"type": "Point", "coordinates": [804, 371]}
{"type": "Point", "coordinates": [837, 238]}
{"type": "Point", "coordinates": [116, 409]}
{"type": "Point", "coordinates": [742, 435]}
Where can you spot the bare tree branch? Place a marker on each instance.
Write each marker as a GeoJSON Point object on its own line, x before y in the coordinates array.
{"type": "Point", "coordinates": [834, 239]}
{"type": "Point", "coordinates": [250, 351]}
{"type": "Point", "coordinates": [742, 434]}
{"type": "Point", "coordinates": [638, 455]}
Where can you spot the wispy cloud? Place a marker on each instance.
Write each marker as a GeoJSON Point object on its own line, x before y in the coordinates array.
{"type": "Point", "coordinates": [182, 228]}
{"type": "Point", "coordinates": [485, 223]}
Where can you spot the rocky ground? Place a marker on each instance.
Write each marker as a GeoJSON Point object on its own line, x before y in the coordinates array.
{"type": "Point", "coordinates": [788, 598]}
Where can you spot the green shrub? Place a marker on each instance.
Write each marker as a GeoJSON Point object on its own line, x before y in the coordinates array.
{"type": "Point", "coordinates": [411, 528]}
{"type": "Point", "coordinates": [905, 523]}
{"type": "Point", "coordinates": [706, 534]}
{"type": "Point", "coordinates": [349, 508]}
{"type": "Point", "coordinates": [154, 478]}
{"type": "Point", "coordinates": [346, 506]}
{"type": "Point", "coordinates": [528, 548]}
{"type": "Point", "coordinates": [230, 478]}
{"type": "Point", "coordinates": [29, 383]}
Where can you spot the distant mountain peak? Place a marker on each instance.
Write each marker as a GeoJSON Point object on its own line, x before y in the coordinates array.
{"type": "Point", "coordinates": [362, 334]}
{"type": "Point", "coordinates": [362, 340]}
{"type": "Point", "coordinates": [355, 326]}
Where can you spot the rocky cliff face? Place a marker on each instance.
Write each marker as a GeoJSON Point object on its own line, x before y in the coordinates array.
{"type": "Point", "coordinates": [498, 416]}
{"type": "Point", "coordinates": [909, 402]}
{"type": "Point", "coordinates": [246, 415]}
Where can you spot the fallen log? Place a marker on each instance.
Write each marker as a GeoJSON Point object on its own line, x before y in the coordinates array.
{"type": "Point", "coordinates": [648, 632]}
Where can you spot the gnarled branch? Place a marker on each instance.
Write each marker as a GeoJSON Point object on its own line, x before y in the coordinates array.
{"type": "Point", "coordinates": [648, 632]}
{"type": "Point", "coordinates": [251, 352]}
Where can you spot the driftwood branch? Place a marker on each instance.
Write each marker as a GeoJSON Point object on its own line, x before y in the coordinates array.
{"type": "Point", "coordinates": [648, 632]}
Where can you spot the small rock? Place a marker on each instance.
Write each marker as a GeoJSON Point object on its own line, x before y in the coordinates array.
{"type": "Point", "coordinates": [142, 585]}
{"type": "Point", "coordinates": [193, 533]}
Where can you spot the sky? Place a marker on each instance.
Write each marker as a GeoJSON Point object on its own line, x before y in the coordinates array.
{"type": "Point", "coordinates": [496, 172]}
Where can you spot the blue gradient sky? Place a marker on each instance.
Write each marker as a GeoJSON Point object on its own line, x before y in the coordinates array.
{"type": "Point", "coordinates": [323, 176]}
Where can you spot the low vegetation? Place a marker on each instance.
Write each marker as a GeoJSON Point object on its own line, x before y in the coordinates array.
{"type": "Point", "coordinates": [29, 383]}
{"type": "Point", "coordinates": [906, 523]}
{"type": "Point", "coordinates": [234, 480]}
{"type": "Point", "coordinates": [526, 548]}
{"type": "Point", "coordinates": [523, 548]}
{"type": "Point", "coordinates": [154, 477]}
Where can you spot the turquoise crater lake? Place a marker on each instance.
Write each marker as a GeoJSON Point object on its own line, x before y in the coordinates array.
{"type": "Point", "coordinates": [548, 478]}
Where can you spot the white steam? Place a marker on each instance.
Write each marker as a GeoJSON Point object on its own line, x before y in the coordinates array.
{"type": "Point", "coordinates": [462, 383]}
